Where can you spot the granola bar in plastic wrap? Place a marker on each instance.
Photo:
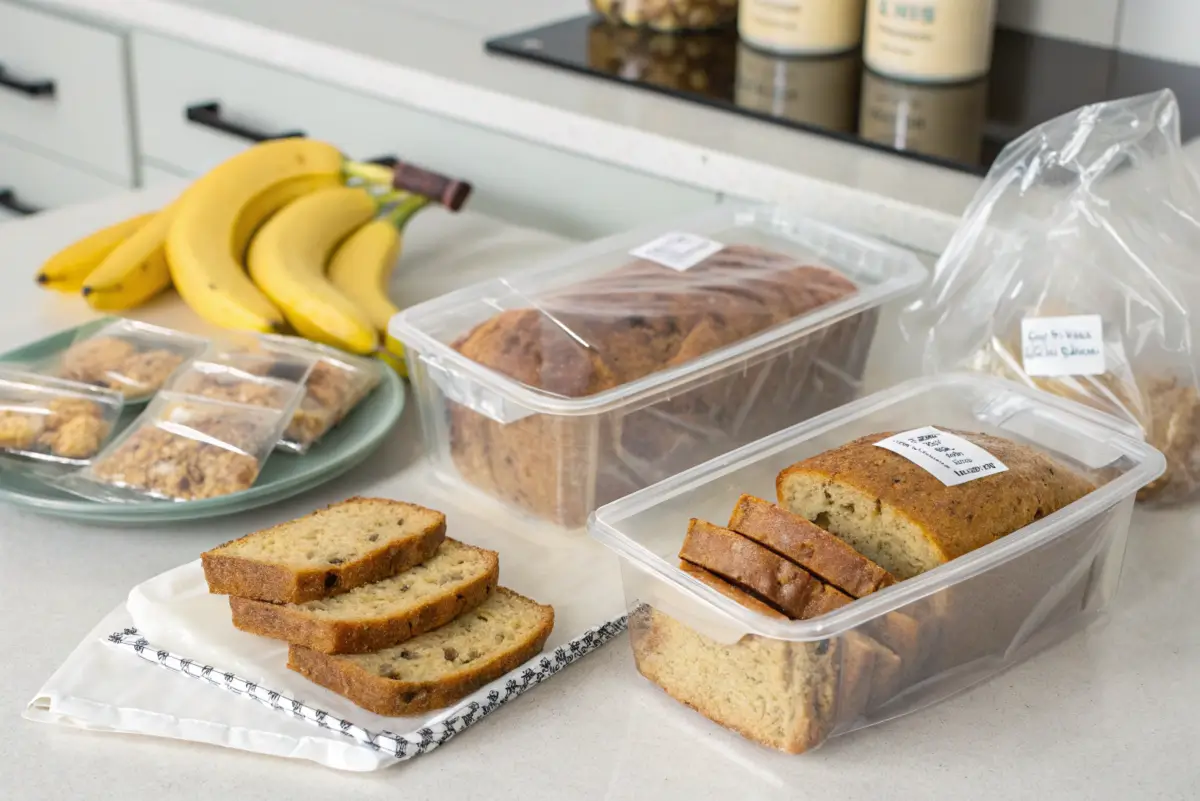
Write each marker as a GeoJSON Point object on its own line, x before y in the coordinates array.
{"type": "Point", "coordinates": [183, 448]}
{"type": "Point", "coordinates": [335, 382]}
{"type": "Point", "coordinates": [233, 384]}
{"type": "Point", "coordinates": [127, 356]}
{"type": "Point", "coordinates": [1075, 271]}
{"type": "Point", "coordinates": [50, 420]}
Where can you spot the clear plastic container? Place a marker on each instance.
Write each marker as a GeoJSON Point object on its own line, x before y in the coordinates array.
{"type": "Point", "coordinates": [966, 620]}
{"type": "Point", "coordinates": [556, 453]}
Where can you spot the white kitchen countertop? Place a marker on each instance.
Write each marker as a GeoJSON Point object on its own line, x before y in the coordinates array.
{"type": "Point", "coordinates": [430, 55]}
{"type": "Point", "coordinates": [1108, 714]}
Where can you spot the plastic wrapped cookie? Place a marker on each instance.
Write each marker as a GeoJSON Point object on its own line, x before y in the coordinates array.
{"type": "Point", "coordinates": [248, 383]}
{"type": "Point", "coordinates": [51, 420]}
{"type": "Point", "coordinates": [183, 448]}
{"type": "Point", "coordinates": [335, 382]}
{"type": "Point", "coordinates": [127, 356]}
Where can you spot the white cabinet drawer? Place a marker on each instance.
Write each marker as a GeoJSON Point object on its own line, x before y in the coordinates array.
{"type": "Point", "coordinates": [38, 182]}
{"type": "Point", "coordinates": [514, 179]}
{"type": "Point", "coordinates": [64, 90]}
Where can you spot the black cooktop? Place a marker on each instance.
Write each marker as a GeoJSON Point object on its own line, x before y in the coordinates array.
{"type": "Point", "coordinates": [963, 126]}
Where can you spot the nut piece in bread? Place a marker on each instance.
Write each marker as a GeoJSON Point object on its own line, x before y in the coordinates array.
{"type": "Point", "coordinates": [328, 552]}
{"type": "Point", "coordinates": [440, 667]}
{"type": "Point", "coordinates": [454, 580]}
{"type": "Point", "coordinates": [907, 521]}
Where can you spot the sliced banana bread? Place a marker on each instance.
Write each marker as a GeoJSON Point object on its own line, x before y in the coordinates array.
{"type": "Point", "coordinates": [333, 550]}
{"type": "Point", "coordinates": [439, 667]}
{"type": "Point", "coordinates": [809, 546]}
{"type": "Point", "coordinates": [375, 616]}
{"type": "Point", "coordinates": [907, 521]}
{"type": "Point", "coordinates": [759, 571]}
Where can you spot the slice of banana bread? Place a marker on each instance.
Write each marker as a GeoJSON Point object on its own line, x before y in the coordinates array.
{"type": "Point", "coordinates": [761, 572]}
{"type": "Point", "coordinates": [809, 546]}
{"type": "Point", "coordinates": [333, 550]}
{"type": "Point", "coordinates": [904, 519]}
{"type": "Point", "coordinates": [374, 616]}
{"type": "Point", "coordinates": [750, 567]}
{"type": "Point", "coordinates": [439, 667]}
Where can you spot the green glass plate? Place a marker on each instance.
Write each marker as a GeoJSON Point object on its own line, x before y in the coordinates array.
{"type": "Point", "coordinates": [284, 475]}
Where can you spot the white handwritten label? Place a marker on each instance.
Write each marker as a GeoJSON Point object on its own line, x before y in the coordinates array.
{"type": "Point", "coordinates": [1058, 346]}
{"type": "Point", "coordinates": [951, 459]}
{"type": "Point", "coordinates": [677, 250]}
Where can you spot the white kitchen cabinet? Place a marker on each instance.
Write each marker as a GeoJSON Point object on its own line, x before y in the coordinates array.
{"type": "Point", "coordinates": [232, 101]}
{"type": "Point", "coordinates": [63, 91]}
{"type": "Point", "coordinates": [38, 182]}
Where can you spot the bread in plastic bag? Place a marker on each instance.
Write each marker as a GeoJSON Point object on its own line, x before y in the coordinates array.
{"type": "Point", "coordinates": [183, 448]}
{"type": "Point", "coordinates": [50, 420]}
{"type": "Point", "coordinates": [1095, 212]}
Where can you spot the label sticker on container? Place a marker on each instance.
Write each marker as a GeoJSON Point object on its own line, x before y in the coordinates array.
{"type": "Point", "coordinates": [677, 250]}
{"type": "Point", "coordinates": [951, 459]}
{"type": "Point", "coordinates": [1060, 346]}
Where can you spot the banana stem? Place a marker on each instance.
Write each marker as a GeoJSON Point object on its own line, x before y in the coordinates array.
{"type": "Point", "coordinates": [369, 173]}
{"type": "Point", "coordinates": [403, 211]}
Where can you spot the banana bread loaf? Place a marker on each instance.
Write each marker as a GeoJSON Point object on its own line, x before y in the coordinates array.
{"type": "Point", "coordinates": [906, 520]}
{"type": "Point", "coordinates": [630, 323]}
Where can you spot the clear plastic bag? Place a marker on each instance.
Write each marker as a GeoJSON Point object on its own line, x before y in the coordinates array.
{"type": "Point", "coordinates": [130, 357]}
{"type": "Point", "coordinates": [233, 384]}
{"type": "Point", "coordinates": [183, 448]}
{"type": "Point", "coordinates": [54, 421]}
{"type": "Point", "coordinates": [335, 382]}
{"type": "Point", "coordinates": [1074, 271]}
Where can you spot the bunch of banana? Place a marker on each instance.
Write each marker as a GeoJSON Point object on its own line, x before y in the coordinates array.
{"type": "Point", "coordinates": [274, 239]}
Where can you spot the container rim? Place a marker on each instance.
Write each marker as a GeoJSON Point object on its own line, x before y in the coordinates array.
{"type": "Point", "coordinates": [603, 523]}
{"type": "Point", "coordinates": [906, 273]}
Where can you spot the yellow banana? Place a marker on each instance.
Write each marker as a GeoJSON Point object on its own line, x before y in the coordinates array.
{"type": "Point", "coordinates": [288, 257]}
{"type": "Point", "coordinates": [66, 269]}
{"type": "Point", "coordinates": [136, 270]}
{"type": "Point", "coordinates": [271, 200]}
{"type": "Point", "coordinates": [362, 268]}
{"type": "Point", "coordinates": [200, 243]}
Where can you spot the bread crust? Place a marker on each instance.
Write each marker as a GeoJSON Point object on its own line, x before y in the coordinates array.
{"type": "Point", "coordinates": [394, 698]}
{"type": "Point", "coordinates": [295, 625]}
{"type": "Point", "coordinates": [248, 578]}
{"type": "Point", "coordinates": [955, 520]}
{"type": "Point", "coordinates": [809, 546]}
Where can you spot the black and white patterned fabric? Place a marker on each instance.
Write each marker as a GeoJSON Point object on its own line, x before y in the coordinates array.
{"type": "Point", "coordinates": [469, 711]}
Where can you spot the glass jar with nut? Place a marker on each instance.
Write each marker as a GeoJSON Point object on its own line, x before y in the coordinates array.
{"type": "Point", "coordinates": [670, 16]}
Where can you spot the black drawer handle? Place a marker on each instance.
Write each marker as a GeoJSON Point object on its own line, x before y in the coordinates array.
{"type": "Point", "coordinates": [9, 200]}
{"type": "Point", "coordinates": [38, 88]}
{"type": "Point", "coordinates": [209, 115]}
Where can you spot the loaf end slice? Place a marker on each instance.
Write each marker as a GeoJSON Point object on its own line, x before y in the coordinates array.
{"type": "Point", "coordinates": [907, 521]}
{"type": "Point", "coordinates": [750, 567]}
{"type": "Point", "coordinates": [375, 616]}
{"type": "Point", "coordinates": [440, 667]}
{"type": "Point", "coordinates": [328, 552]}
{"type": "Point", "coordinates": [808, 545]}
